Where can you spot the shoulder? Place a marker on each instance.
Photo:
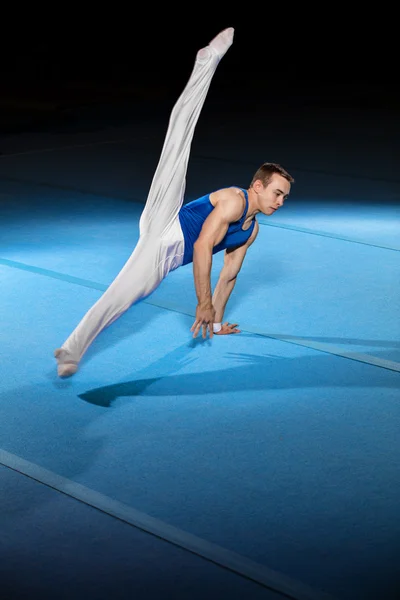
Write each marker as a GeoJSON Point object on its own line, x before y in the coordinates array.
{"type": "Point", "coordinates": [230, 201]}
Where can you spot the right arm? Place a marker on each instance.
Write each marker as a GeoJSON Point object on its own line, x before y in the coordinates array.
{"type": "Point", "coordinates": [228, 209]}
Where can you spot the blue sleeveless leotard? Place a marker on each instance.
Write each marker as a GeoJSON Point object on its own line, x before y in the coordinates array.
{"type": "Point", "coordinates": [192, 216]}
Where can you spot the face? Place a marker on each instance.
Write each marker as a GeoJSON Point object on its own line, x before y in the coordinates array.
{"type": "Point", "coordinates": [272, 197]}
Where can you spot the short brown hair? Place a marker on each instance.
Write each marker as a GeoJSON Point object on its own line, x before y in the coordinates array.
{"type": "Point", "coordinates": [265, 172]}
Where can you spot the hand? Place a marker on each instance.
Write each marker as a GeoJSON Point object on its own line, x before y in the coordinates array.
{"type": "Point", "coordinates": [205, 315]}
{"type": "Point", "coordinates": [228, 328]}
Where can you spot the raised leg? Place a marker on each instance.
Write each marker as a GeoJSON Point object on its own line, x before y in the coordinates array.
{"type": "Point", "coordinates": [167, 190]}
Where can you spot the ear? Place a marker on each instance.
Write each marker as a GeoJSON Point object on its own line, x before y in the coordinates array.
{"type": "Point", "coordinates": [258, 186]}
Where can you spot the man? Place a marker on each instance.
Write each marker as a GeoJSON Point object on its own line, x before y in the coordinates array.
{"type": "Point", "coordinates": [172, 235]}
{"type": "Point", "coordinates": [228, 222]}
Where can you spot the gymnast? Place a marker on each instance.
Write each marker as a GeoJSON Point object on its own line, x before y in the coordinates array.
{"type": "Point", "coordinates": [172, 234]}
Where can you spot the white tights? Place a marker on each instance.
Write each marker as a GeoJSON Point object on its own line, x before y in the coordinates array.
{"type": "Point", "coordinates": [160, 246]}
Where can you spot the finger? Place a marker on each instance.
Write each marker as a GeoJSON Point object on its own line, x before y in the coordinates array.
{"type": "Point", "coordinates": [196, 329]}
{"type": "Point", "coordinates": [194, 325]}
{"type": "Point", "coordinates": [205, 325]}
{"type": "Point", "coordinates": [210, 330]}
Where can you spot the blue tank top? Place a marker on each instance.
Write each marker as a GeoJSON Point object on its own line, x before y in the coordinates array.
{"type": "Point", "coordinates": [192, 216]}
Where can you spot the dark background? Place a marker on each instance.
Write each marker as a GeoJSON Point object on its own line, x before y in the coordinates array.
{"type": "Point", "coordinates": [55, 64]}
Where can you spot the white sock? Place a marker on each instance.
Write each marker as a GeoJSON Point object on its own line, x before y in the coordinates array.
{"type": "Point", "coordinates": [65, 368]}
{"type": "Point", "coordinates": [218, 46]}
{"type": "Point", "coordinates": [223, 41]}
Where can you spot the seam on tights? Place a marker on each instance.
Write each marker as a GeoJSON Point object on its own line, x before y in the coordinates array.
{"type": "Point", "coordinates": [162, 262]}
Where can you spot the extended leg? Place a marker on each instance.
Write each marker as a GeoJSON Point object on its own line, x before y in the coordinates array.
{"type": "Point", "coordinates": [152, 258]}
{"type": "Point", "coordinates": [166, 193]}
{"type": "Point", "coordinates": [141, 275]}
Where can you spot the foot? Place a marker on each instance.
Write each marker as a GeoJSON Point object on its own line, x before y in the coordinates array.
{"type": "Point", "coordinates": [65, 367]}
{"type": "Point", "coordinates": [223, 41]}
{"type": "Point", "coordinates": [218, 46]}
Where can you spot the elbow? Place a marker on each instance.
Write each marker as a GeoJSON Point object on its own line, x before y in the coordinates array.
{"type": "Point", "coordinates": [202, 247]}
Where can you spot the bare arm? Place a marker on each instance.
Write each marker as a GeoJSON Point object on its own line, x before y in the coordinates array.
{"type": "Point", "coordinates": [233, 261]}
{"type": "Point", "coordinates": [227, 210]}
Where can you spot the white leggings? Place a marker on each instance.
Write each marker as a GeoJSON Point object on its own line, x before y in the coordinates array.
{"type": "Point", "coordinates": [160, 246]}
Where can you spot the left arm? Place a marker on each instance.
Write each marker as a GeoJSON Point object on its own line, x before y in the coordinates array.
{"type": "Point", "coordinates": [233, 261]}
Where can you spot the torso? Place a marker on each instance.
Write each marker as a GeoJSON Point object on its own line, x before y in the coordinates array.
{"type": "Point", "coordinates": [232, 201]}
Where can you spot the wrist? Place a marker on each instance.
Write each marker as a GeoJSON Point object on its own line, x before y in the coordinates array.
{"type": "Point", "coordinates": [205, 303]}
{"type": "Point", "coordinates": [217, 327]}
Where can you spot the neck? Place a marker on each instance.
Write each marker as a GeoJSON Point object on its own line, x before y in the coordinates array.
{"type": "Point", "coordinates": [253, 203]}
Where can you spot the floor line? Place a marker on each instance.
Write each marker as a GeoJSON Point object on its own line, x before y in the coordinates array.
{"type": "Point", "coordinates": [324, 234]}
{"type": "Point", "coordinates": [390, 365]}
{"type": "Point", "coordinates": [216, 554]}
{"type": "Point", "coordinates": [69, 188]}
{"type": "Point", "coordinates": [42, 150]}
{"type": "Point", "coordinates": [320, 346]}
{"type": "Point", "coordinates": [53, 274]}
